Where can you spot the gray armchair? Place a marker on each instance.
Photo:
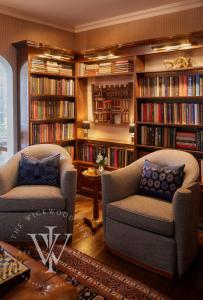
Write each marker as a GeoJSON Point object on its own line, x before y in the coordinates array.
{"type": "Point", "coordinates": [29, 208]}
{"type": "Point", "coordinates": [151, 232]}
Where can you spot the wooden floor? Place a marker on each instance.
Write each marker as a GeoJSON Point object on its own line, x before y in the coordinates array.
{"type": "Point", "coordinates": [188, 288]}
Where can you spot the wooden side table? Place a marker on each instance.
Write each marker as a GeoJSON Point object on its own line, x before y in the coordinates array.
{"type": "Point", "coordinates": [95, 223]}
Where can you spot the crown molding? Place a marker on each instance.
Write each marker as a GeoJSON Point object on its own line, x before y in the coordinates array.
{"type": "Point", "coordinates": [21, 16]}
{"type": "Point", "coordinates": [142, 14]}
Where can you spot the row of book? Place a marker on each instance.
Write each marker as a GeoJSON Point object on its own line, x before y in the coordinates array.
{"type": "Point", "coordinates": [174, 113]}
{"type": "Point", "coordinates": [171, 138]}
{"type": "Point", "coordinates": [48, 109]}
{"type": "Point", "coordinates": [93, 69]}
{"type": "Point", "coordinates": [38, 65]}
{"type": "Point", "coordinates": [50, 133]}
{"type": "Point", "coordinates": [50, 86]}
{"type": "Point", "coordinates": [171, 86]}
{"type": "Point", "coordinates": [111, 118]}
{"type": "Point", "coordinates": [118, 157]}
{"type": "Point", "coordinates": [106, 92]}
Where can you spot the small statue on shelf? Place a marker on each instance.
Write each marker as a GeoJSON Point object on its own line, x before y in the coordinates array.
{"type": "Point", "coordinates": [179, 62]}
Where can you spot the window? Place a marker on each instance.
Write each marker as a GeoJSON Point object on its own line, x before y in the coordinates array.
{"type": "Point", "coordinates": [6, 111]}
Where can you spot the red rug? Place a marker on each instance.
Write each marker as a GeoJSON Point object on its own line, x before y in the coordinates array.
{"type": "Point", "coordinates": [106, 281]}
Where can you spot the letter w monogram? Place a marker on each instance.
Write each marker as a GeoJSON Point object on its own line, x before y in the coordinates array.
{"type": "Point", "coordinates": [50, 241]}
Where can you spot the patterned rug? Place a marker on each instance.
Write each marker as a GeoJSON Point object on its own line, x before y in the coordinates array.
{"type": "Point", "coordinates": [96, 281]}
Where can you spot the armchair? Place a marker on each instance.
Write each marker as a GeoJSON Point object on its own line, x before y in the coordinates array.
{"type": "Point", "coordinates": [151, 232]}
{"type": "Point", "coordinates": [29, 208]}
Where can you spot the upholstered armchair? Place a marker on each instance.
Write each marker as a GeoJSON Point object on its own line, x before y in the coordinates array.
{"type": "Point", "coordinates": [151, 232]}
{"type": "Point", "coordinates": [29, 208]}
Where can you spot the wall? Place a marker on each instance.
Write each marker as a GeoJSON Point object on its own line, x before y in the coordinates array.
{"type": "Point", "coordinates": [13, 30]}
{"type": "Point", "coordinates": [161, 26]}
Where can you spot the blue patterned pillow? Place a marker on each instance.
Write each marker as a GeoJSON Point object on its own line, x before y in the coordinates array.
{"type": "Point", "coordinates": [160, 181]}
{"type": "Point", "coordinates": [44, 171]}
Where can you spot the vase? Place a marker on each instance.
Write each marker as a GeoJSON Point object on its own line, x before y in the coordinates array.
{"type": "Point", "coordinates": [101, 169]}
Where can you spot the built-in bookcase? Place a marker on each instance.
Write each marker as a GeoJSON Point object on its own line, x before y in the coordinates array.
{"type": "Point", "coordinates": [47, 106]}
{"type": "Point", "coordinates": [169, 103]}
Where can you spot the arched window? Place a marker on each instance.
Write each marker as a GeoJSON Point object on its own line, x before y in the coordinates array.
{"type": "Point", "coordinates": [6, 111]}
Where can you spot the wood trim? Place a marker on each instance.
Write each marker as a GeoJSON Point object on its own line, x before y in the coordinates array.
{"type": "Point", "coordinates": [141, 264]}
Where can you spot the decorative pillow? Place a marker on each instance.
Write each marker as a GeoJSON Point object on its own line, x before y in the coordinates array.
{"type": "Point", "coordinates": [160, 181]}
{"type": "Point", "coordinates": [44, 171]}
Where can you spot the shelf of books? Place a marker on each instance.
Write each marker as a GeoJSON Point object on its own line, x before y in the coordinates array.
{"type": "Point", "coordinates": [119, 155]}
{"type": "Point", "coordinates": [169, 104]}
{"type": "Point", "coordinates": [108, 67]}
{"type": "Point", "coordinates": [52, 115]}
{"type": "Point", "coordinates": [46, 95]}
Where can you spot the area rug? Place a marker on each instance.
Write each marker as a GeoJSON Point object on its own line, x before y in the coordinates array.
{"type": "Point", "coordinates": [96, 281]}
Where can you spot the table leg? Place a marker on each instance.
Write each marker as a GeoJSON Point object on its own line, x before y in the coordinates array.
{"type": "Point", "coordinates": [95, 223]}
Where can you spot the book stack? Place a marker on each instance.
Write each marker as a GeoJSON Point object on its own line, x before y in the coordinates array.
{"type": "Point", "coordinates": [66, 70]}
{"type": "Point", "coordinates": [50, 133]}
{"type": "Point", "coordinates": [48, 109]}
{"type": "Point", "coordinates": [90, 70]}
{"type": "Point", "coordinates": [186, 140]}
{"type": "Point", "coordinates": [64, 131]}
{"type": "Point", "coordinates": [123, 66]}
{"type": "Point", "coordinates": [65, 109]}
{"type": "Point", "coordinates": [118, 157]}
{"type": "Point", "coordinates": [158, 136]}
{"type": "Point", "coordinates": [171, 86]}
{"type": "Point", "coordinates": [47, 86]}
{"type": "Point", "coordinates": [105, 68]}
{"type": "Point", "coordinates": [42, 133]}
{"type": "Point", "coordinates": [52, 67]}
{"type": "Point", "coordinates": [173, 113]}
{"type": "Point", "coordinates": [38, 65]}
{"type": "Point", "coordinates": [42, 110]}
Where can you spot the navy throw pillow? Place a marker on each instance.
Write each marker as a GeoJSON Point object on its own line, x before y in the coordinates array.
{"type": "Point", "coordinates": [160, 181]}
{"type": "Point", "coordinates": [34, 171]}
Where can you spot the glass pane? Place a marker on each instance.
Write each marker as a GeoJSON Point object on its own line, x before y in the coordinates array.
{"type": "Point", "coordinates": [3, 114]}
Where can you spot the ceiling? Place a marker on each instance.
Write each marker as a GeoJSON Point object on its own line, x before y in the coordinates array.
{"type": "Point", "coordinates": [80, 15]}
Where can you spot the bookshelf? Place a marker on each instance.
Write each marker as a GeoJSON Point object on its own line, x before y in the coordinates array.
{"type": "Point", "coordinates": [105, 97]}
{"type": "Point", "coordinates": [133, 85]}
{"type": "Point", "coordinates": [170, 103]}
{"type": "Point", "coordinates": [46, 95]}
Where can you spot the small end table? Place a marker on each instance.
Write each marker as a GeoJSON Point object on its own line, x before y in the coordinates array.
{"type": "Point", "coordinates": [95, 223]}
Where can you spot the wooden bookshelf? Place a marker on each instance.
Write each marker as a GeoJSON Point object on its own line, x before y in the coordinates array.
{"type": "Point", "coordinates": [136, 64]}
{"type": "Point", "coordinates": [46, 95]}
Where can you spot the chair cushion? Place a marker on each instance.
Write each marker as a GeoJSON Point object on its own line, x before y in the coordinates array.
{"type": "Point", "coordinates": [39, 171]}
{"type": "Point", "coordinates": [160, 181]}
{"type": "Point", "coordinates": [32, 198]}
{"type": "Point", "coordinates": [143, 212]}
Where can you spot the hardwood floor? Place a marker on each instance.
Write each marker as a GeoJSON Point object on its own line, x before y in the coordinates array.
{"type": "Point", "coordinates": [188, 288]}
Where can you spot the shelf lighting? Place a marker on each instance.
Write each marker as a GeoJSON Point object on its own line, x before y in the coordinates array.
{"type": "Point", "coordinates": [101, 55]}
{"type": "Point", "coordinates": [132, 131]}
{"type": "Point", "coordinates": [56, 56]}
{"type": "Point", "coordinates": [180, 45]}
{"type": "Point", "coordinates": [85, 127]}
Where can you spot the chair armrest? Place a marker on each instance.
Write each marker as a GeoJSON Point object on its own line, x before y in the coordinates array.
{"type": "Point", "coordinates": [68, 183]}
{"type": "Point", "coordinates": [185, 207]}
{"type": "Point", "coordinates": [9, 175]}
{"type": "Point", "coordinates": [121, 183]}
